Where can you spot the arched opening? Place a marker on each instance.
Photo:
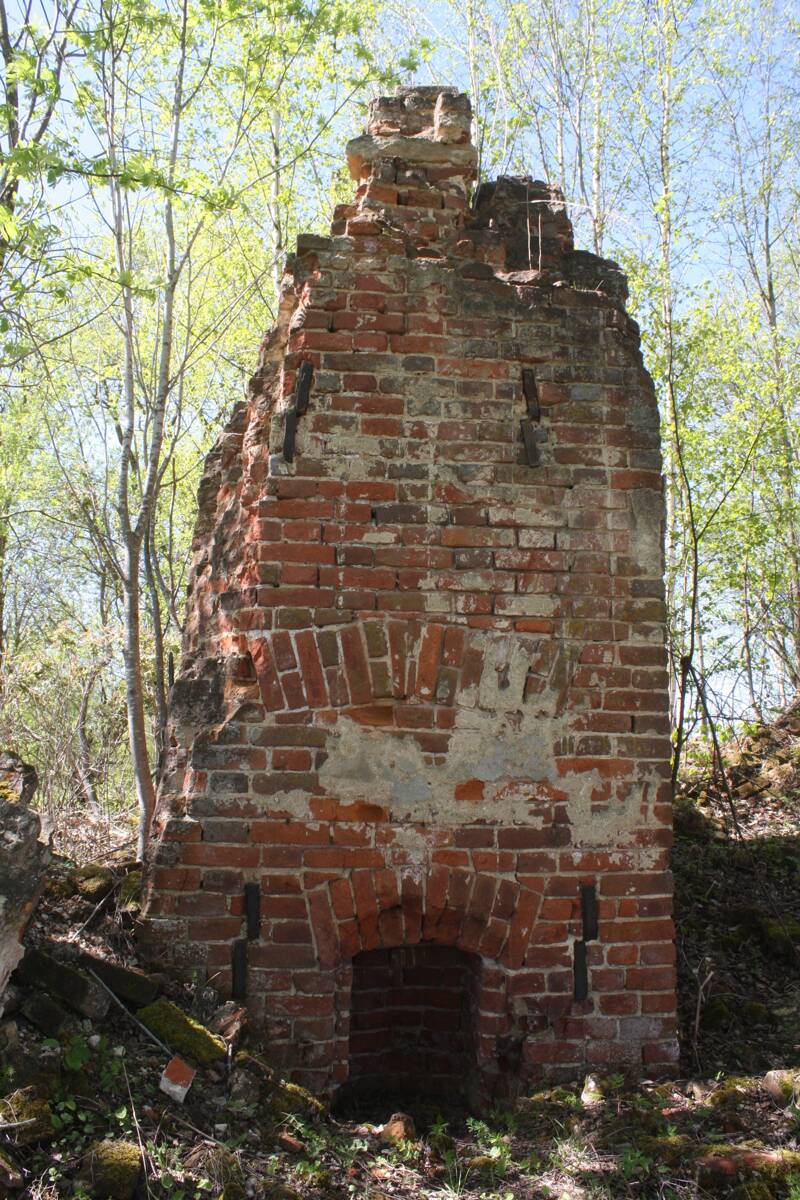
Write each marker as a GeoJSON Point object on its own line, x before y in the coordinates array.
{"type": "Point", "coordinates": [413, 1023]}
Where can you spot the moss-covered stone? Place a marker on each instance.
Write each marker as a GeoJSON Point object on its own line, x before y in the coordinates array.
{"type": "Point", "coordinates": [130, 890]}
{"type": "Point", "coordinates": [294, 1099]}
{"type": "Point", "coordinates": [484, 1164]}
{"type": "Point", "coordinates": [93, 881]}
{"type": "Point", "coordinates": [26, 1105]}
{"type": "Point", "coordinates": [112, 1168]}
{"type": "Point", "coordinates": [733, 1091]}
{"type": "Point", "coordinates": [722, 1167]}
{"type": "Point", "coordinates": [781, 1086]}
{"type": "Point", "coordinates": [594, 1090]}
{"type": "Point", "coordinates": [182, 1034]}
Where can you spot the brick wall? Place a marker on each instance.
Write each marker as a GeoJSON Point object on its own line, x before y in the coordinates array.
{"type": "Point", "coordinates": [423, 697]}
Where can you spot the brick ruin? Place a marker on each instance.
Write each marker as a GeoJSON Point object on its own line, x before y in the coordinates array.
{"type": "Point", "coordinates": [415, 806]}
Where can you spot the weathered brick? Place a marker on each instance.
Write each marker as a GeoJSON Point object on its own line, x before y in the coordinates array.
{"type": "Point", "coordinates": [425, 696]}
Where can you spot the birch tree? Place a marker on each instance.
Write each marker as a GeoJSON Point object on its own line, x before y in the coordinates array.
{"type": "Point", "coordinates": [181, 102]}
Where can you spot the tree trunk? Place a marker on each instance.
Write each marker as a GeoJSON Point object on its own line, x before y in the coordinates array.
{"type": "Point", "coordinates": [158, 638]}
{"type": "Point", "coordinates": [85, 769]}
{"type": "Point", "coordinates": [137, 733]}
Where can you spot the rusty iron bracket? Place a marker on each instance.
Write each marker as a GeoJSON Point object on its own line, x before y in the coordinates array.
{"type": "Point", "coordinates": [531, 436]}
{"type": "Point", "coordinates": [252, 910]}
{"type": "Point", "coordinates": [531, 445]}
{"type": "Point", "coordinates": [239, 969]}
{"type": "Point", "coordinates": [302, 391]}
{"type": "Point", "coordinates": [580, 971]}
{"type": "Point", "coordinates": [589, 912]}
{"type": "Point", "coordinates": [531, 393]}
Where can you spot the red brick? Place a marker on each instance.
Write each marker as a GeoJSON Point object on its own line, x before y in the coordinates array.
{"type": "Point", "coordinates": [266, 671]}
{"type": "Point", "coordinates": [428, 665]}
{"type": "Point", "coordinates": [651, 978]}
{"type": "Point", "coordinates": [356, 667]}
{"type": "Point", "coordinates": [323, 926]}
{"type": "Point", "coordinates": [342, 899]}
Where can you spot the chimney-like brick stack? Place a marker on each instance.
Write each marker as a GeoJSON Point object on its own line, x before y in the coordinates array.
{"type": "Point", "coordinates": [416, 804]}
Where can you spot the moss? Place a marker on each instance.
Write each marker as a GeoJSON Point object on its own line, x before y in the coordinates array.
{"type": "Point", "coordinates": [751, 1170]}
{"type": "Point", "coordinates": [292, 1098]}
{"type": "Point", "coordinates": [181, 1033]}
{"type": "Point", "coordinates": [733, 1091]}
{"type": "Point", "coordinates": [60, 887]}
{"type": "Point", "coordinates": [483, 1163]}
{"type": "Point", "coordinates": [776, 1170]}
{"type": "Point", "coordinates": [130, 890]}
{"type": "Point", "coordinates": [674, 1150]}
{"type": "Point", "coordinates": [93, 882]}
{"type": "Point", "coordinates": [256, 1066]}
{"type": "Point", "coordinates": [26, 1105]}
{"type": "Point", "coordinates": [223, 1169]}
{"type": "Point", "coordinates": [112, 1169]}
{"type": "Point", "coordinates": [777, 936]}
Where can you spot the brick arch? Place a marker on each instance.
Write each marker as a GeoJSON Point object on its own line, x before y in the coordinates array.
{"type": "Point", "coordinates": [370, 670]}
{"type": "Point", "coordinates": [376, 908]}
{"type": "Point", "coordinates": [487, 917]}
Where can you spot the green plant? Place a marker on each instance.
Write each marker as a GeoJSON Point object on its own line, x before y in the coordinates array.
{"type": "Point", "coordinates": [77, 1053]}
{"type": "Point", "coordinates": [404, 1151]}
{"type": "Point", "coordinates": [494, 1145]}
{"type": "Point", "coordinates": [634, 1162]}
{"type": "Point", "coordinates": [793, 1186]}
{"type": "Point", "coordinates": [72, 1119]}
{"type": "Point", "coordinates": [456, 1174]}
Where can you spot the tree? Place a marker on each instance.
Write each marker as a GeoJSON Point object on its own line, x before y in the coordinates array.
{"type": "Point", "coordinates": [197, 115]}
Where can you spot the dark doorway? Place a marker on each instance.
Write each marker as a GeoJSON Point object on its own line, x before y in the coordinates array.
{"type": "Point", "coordinates": [412, 1023]}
